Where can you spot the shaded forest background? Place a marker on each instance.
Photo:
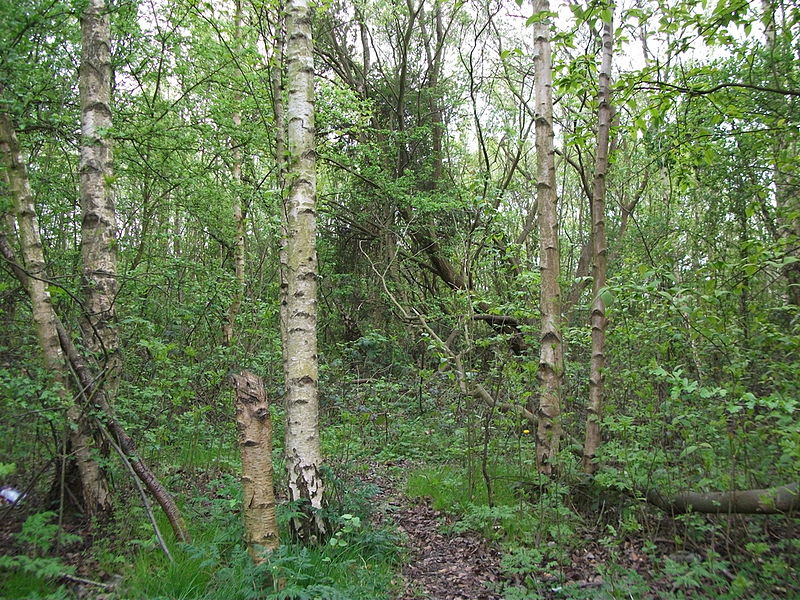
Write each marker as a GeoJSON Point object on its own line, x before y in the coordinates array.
{"type": "Point", "coordinates": [429, 289]}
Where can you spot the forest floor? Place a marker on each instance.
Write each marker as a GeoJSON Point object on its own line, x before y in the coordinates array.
{"type": "Point", "coordinates": [439, 566]}
{"type": "Point", "coordinates": [442, 560]}
{"type": "Point", "coordinates": [465, 566]}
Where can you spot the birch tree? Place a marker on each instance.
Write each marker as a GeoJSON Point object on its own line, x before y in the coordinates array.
{"type": "Point", "coordinates": [302, 444]}
{"type": "Point", "coordinates": [599, 250]}
{"type": "Point", "coordinates": [255, 444]}
{"type": "Point", "coordinates": [94, 488]}
{"type": "Point", "coordinates": [551, 354]}
{"type": "Point", "coordinates": [229, 326]}
{"type": "Point", "coordinates": [99, 224]}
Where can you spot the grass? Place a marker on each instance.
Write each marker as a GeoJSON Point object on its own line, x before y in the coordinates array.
{"type": "Point", "coordinates": [358, 563]}
{"type": "Point", "coordinates": [537, 526]}
{"type": "Point", "coordinates": [363, 568]}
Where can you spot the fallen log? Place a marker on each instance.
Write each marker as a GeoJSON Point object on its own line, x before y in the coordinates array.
{"type": "Point", "coordinates": [782, 499]}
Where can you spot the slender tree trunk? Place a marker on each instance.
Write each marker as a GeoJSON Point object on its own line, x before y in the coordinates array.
{"type": "Point", "coordinates": [785, 178]}
{"type": "Point", "coordinates": [600, 250]}
{"type": "Point", "coordinates": [96, 496]}
{"type": "Point", "coordinates": [255, 444]}
{"type": "Point", "coordinates": [278, 64]}
{"type": "Point", "coordinates": [99, 222]}
{"type": "Point", "coordinates": [551, 357]}
{"type": "Point", "coordinates": [365, 54]}
{"type": "Point", "coordinates": [303, 451]}
{"type": "Point", "coordinates": [228, 328]}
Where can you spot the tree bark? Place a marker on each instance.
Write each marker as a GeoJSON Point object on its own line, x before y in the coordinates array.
{"type": "Point", "coordinates": [255, 444]}
{"type": "Point", "coordinates": [229, 327]}
{"type": "Point", "coordinates": [551, 356]}
{"type": "Point", "coordinates": [99, 223]}
{"type": "Point", "coordinates": [777, 500]}
{"type": "Point", "coordinates": [303, 451]}
{"type": "Point", "coordinates": [599, 250]}
{"type": "Point", "coordinates": [277, 88]}
{"type": "Point", "coordinates": [94, 487]}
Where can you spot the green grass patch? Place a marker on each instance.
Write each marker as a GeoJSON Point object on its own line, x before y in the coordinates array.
{"type": "Point", "coordinates": [358, 562]}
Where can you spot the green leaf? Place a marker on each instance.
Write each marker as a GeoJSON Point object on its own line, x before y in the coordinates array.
{"type": "Point", "coordinates": [606, 296]}
{"type": "Point", "coordinates": [539, 17]}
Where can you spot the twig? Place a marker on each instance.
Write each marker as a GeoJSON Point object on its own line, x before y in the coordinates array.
{"type": "Point", "coordinates": [476, 390]}
{"type": "Point", "coordinates": [74, 579]}
{"type": "Point", "coordinates": [145, 502]}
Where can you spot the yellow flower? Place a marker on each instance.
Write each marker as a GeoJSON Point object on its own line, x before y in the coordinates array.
{"type": "Point", "coordinates": [526, 431]}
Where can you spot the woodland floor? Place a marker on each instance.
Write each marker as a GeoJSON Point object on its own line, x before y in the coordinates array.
{"type": "Point", "coordinates": [453, 566]}
{"type": "Point", "coordinates": [465, 566]}
{"type": "Point", "coordinates": [439, 566]}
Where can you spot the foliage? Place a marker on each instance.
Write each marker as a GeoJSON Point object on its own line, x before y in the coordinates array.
{"type": "Point", "coordinates": [32, 575]}
{"type": "Point", "coordinates": [426, 173]}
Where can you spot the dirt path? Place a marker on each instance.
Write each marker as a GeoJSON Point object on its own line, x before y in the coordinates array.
{"type": "Point", "coordinates": [439, 566]}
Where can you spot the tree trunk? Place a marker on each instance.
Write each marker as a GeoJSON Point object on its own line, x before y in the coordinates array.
{"type": "Point", "coordinates": [785, 177]}
{"type": "Point", "coordinates": [94, 396]}
{"type": "Point", "coordinates": [551, 357]}
{"type": "Point", "coordinates": [229, 327]}
{"type": "Point", "coordinates": [255, 444]}
{"type": "Point", "coordinates": [277, 68]}
{"type": "Point", "coordinates": [777, 500]}
{"type": "Point", "coordinates": [96, 496]}
{"type": "Point", "coordinates": [303, 451]}
{"type": "Point", "coordinates": [99, 223]}
{"type": "Point", "coordinates": [600, 250]}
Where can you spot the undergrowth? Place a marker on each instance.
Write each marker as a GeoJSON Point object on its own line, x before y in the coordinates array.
{"type": "Point", "coordinates": [544, 528]}
{"type": "Point", "coordinates": [358, 562]}
{"type": "Point", "coordinates": [541, 529]}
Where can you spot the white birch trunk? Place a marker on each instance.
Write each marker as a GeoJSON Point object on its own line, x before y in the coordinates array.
{"type": "Point", "coordinates": [229, 327]}
{"type": "Point", "coordinates": [600, 251]}
{"type": "Point", "coordinates": [99, 224]}
{"type": "Point", "coordinates": [303, 451]}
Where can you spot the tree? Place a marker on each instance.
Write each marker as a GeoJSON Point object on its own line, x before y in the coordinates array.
{"type": "Point", "coordinates": [301, 360]}
{"type": "Point", "coordinates": [551, 353]}
{"type": "Point", "coordinates": [239, 255]}
{"type": "Point", "coordinates": [99, 221]}
{"type": "Point", "coordinates": [255, 445]}
{"type": "Point", "coordinates": [93, 485]}
{"type": "Point", "coordinates": [599, 252]}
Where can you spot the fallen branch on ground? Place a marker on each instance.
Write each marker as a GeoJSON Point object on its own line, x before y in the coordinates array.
{"type": "Point", "coordinates": [782, 499]}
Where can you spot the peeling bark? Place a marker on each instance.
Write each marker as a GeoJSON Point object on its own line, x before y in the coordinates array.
{"type": "Point", "coordinates": [303, 451]}
{"type": "Point", "coordinates": [551, 357]}
{"type": "Point", "coordinates": [255, 444]}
